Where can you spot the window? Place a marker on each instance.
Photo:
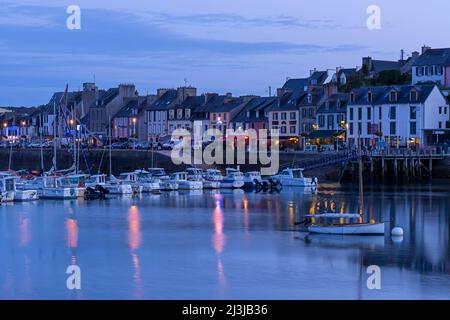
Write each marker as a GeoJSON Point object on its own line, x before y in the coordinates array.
{"type": "Point", "coordinates": [283, 116]}
{"type": "Point", "coordinates": [304, 112]}
{"type": "Point", "coordinates": [393, 96]}
{"type": "Point", "coordinates": [292, 116]}
{"type": "Point", "coordinates": [359, 128]}
{"type": "Point", "coordinates": [187, 113]}
{"type": "Point", "coordinates": [412, 128]}
{"type": "Point", "coordinates": [275, 116]}
{"type": "Point", "coordinates": [359, 113]}
{"type": "Point", "coordinates": [369, 113]}
{"type": "Point", "coordinates": [369, 128]}
{"type": "Point", "coordinates": [330, 121]}
{"type": "Point", "coordinates": [369, 97]}
{"type": "Point", "coordinates": [352, 97]}
{"type": "Point", "coordinates": [351, 114]}
{"type": "Point", "coordinates": [419, 71]}
{"type": "Point", "coordinates": [257, 114]}
{"type": "Point", "coordinates": [321, 120]}
{"type": "Point", "coordinates": [350, 126]}
{"type": "Point", "coordinates": [413, 96]}
{"type": "Point", "coordinates": [292, 129]}
{"type": "Point", "coordinates": [380, 113]}
{"type": "Point", "coordinates": [439, 70]}
{"type": "Point", "coordinates": [412, 113]}
{"type": "Point", "coordinates": [440, 110]}
{"type": "Point", "coordinates": [440, 124]}
{"type": "Point", "coordinates": [283, 129]}
{"type": "Point", "coordinates": [393, 113]}
{"type": "Point", "coordinates": [311, 112]}
{"type": "Point", "coordinates": [445, 110]}
{"type": "Point", "coordinates": [392, 129]}
{"type": "Point", "coordinates": [248, 114]}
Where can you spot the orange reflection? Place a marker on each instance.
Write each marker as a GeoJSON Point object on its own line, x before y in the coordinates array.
{"type": "Point", "coordinates": [72, 233]}
{"type": "Point", "coordinates": [25, 235]}
{"type": "Point", "coordinates": [245, 205]}
{"type": "Point", "coordinates": [134, 227]}
{"type": "Point", "coordinates": [219, 240]}
{"type": "Point", "coordinates": [219, 237]}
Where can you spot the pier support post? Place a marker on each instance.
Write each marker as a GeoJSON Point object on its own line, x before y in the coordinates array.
{"type": "Point", "coordinates": [431, 167]}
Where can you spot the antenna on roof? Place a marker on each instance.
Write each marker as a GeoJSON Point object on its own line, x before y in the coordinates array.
{"type": "Point", "coordinates": [270, 91]}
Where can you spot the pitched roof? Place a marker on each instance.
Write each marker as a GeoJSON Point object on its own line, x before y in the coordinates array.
{"type": "Point", "coordinates": [165, 101]}
{"type": "Point", "coordinates": [434, 57]}
{"type": "Point", "coordinates": [347, 72]}
{"type": "Point", "coordinates": [260, 105]}
{"type": "Point", "coordinates": [129, 109]}
{"type": "Point", "coordinates": [336, 103]}
{"type": "Point", "coordinates": [105, 97]}
{"type": "Point", "coordinates": [220, 104]}
{"type": "Point", "coordinates": [381, 94]}
{"type": "Point", "coordinates": [288, 101]}
{"type": "Point", "coordinates": [384, 65]}
{"type": "Point", "coordinates": [296, 84]}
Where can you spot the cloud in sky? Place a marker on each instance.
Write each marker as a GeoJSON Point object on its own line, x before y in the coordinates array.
{"type": "Point", "coordinates": [218, 45]}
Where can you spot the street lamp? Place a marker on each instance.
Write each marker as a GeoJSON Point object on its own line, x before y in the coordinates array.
{"type": "Point", "coordinates": [134, 132]}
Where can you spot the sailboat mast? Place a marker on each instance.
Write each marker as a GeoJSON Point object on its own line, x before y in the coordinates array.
{"type": "Point", "coordinates": [54, 135]}
{"type": "Point", "coordinates": [360, 176]}
{"type": "Point", "coordinates": [110, 152]}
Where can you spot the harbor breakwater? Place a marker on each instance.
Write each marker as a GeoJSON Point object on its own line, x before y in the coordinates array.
{"type": "Point", "coordinates": [97, 160]}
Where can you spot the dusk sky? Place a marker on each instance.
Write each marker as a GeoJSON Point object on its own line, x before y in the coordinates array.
{"type": "Point", "coordinates": [221, 46]}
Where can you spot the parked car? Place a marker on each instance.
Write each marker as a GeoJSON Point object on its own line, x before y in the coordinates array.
{"type": "Point", "coordinates": [170, 145]}
{"type": "Point", "coordinates": [143, 145]}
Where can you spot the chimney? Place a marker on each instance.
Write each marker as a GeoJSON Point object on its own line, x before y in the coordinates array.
{"type": "Point", "coordinates": [184, 92]}
{"type": "Point", "coordinates": [367, 63]}
{"type": "Point", "coordinates": [425, 48]}
{"type": "Point", "coordinates": [330, 89]}
{"type": "Point", "coordinates": [161, 91]}
{"type": "Point", "coordinates": [208, 96]}
{"type": "Point", "coordinates": [312, 71]}
{"type": "Point", "coordinates": [127, 90]}
{"type": "Point", "coordinates": [89, 86]}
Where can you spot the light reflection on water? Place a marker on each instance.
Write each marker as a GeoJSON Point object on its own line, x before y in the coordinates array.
{"type": "Point", "coordinates": [210, 245]}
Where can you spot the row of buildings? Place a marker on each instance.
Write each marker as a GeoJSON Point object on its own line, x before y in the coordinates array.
{"type": "Point", "coordinates": [305, 110]}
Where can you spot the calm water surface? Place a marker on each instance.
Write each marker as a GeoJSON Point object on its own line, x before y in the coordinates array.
{"type": "Point", "coordinates": [229, 245]}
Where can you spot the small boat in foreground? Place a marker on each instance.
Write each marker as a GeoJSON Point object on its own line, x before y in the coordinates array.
{"type": "Point", "coordinates": [295, 178]}
{"type": "Point", "coordinates": [344, 228]}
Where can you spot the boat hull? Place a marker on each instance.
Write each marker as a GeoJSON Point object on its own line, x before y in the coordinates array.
{"type": "Point", "coordinates": [351, 229]}
{"type": "Point", "coordinates": [58, 193]}
{"type": "Point", "coordinates": [7, 196]}
{"type": "Point", "coordinates": [26, 195]}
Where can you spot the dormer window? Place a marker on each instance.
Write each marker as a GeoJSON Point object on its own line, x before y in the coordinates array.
{"type": "Point", "coordinates": [352, 97]}
{"type": "Point", "coordinates": [257, 114]}
{"type": "Point", "coordinates": [309, 98]}
{"type": "Point", "coordinates": [369, 97]}
{"type": "Point", "coordinates": [248, 114]}
{"type": "Point", "coordinates": [413, 96]}
{"type": "Point", "coordinates": [393, 96]}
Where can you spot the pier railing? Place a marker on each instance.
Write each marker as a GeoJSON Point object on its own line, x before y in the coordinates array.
{"type": "Point", "coordinates": [323, 161]}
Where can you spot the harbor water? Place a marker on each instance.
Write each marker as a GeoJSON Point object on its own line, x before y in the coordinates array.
{"type": "Point", "coordinates": [227, 245]}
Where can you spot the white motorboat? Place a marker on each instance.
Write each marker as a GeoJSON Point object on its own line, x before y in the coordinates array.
{"type": "Point", "coordinates": [76, 181]}
{"type": "Point", "coordinates": [196, 174]}
{"type": "Point", "coordinates": [165, 183]}
{"type": "Point", "coordinates": [234, 179]}
{"type": "Point", "coordinates": [252, 179]}
{"type": "Point", "coordinates": [132, 179]}
{"type": "Point", "coordinates": [53, 188]}
{"type": "Point", "coordinates": [7, 187]}
{"type": "Point", "coordinates": [213, 175]}
{"type": "Point", "coordinates": [295, 178]}
{"type": "Point", "coordinates": [183, 183]}
{"type": "Point", "coordinates": [158, 173]}
{"type": "Point", "coordinates": [113, 186]}
{"type": "Point", "coordinates": [148, 183]}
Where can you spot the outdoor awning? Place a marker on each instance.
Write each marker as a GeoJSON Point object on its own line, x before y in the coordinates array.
{"type": "Point", "coordinates": [324, 134]}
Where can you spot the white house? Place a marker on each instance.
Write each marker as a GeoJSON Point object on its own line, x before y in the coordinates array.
{"type": "Point", "coordinates": [433, 65]}
{"type": "Point", "coordinates": [399, 115]}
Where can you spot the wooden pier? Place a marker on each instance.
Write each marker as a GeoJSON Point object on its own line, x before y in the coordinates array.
{"type": "Point", "coordinates": [402, 164]}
